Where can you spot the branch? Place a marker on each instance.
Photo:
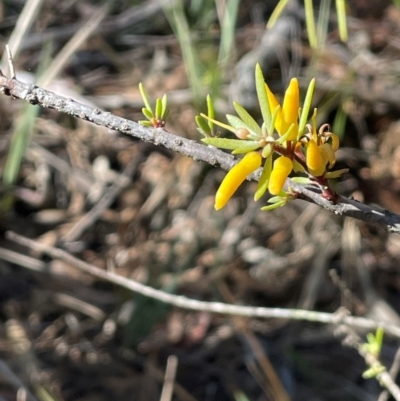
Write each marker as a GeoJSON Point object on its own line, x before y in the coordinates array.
{"type": "Point", "coordinates": [216, 157]}
{"type": "Point", "coordinates": [193, 304]}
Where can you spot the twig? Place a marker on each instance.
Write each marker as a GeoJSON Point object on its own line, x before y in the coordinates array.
{"type": "Point", "coordinates": [192, 304]}
{"type": "Point", "coordinates": [393, 373]}
{"type": "Point", "coordinates": [187, 147]}
{"type": "Point", "coordinates": [382, 375]}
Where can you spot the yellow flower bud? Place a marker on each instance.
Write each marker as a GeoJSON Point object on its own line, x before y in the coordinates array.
{"type": "Point", "coordinates": [282, 168]}
{"type": "Point", "coordinates": [242, 133]}
{"type": "Point", "coordinates": [235, 177]}
{"type": "Point", "coordinates": [290, 107]}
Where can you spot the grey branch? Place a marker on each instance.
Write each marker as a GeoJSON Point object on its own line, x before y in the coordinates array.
{"type": "Point", "coordinates": [193, 304]}
{"type": "Point", "coordinates": [44, 98]}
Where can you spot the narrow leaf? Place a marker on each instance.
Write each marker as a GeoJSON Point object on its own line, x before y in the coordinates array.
{"type": "Point", "coordinates": [210, 111]}
{"type": "Point", "coordinates": [301, 180]}
{"type": "Point", "coordinates": [203, 126]}
{"type": "Point", "coordinates": [246, 146]}
{"type": "Point", "coordinates": [264, 179]}
{"type": "Point", "coordinates": [247, 118]}
{"type": "Point", "coordinates": [145, 98]}
{"type": "Point", "coordinates": [225, 143]}
{"type": "Point", "coordinates": [274, 206]}
{"type": "Point", "coordinates": [237, 123]}
{"type": "Point", "coordinates": [267, 150]}
{"type": "Point", "coordinates": [306, 108]}
{"type": "Point", "coordinates": [226, 126]}
{"type": "Point", "coordinates": [336, 174]}
{"type": "Point", "coordinates": [164, 109]}
{"type": "Point", "coordinates": [287, 135]}
{"type": "Point", "coordinates": [158, 109]}
{"type": "Point", "coordinates": [147, 113]}
{"type": "Point", "coordinates": [262, 96]}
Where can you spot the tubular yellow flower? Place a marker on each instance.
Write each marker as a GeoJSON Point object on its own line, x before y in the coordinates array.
{"type": "Point", "coordinates": [235, 177]}
{"type": "Point", "coordinates": [314, 159]}
{"type": "Point", "coordinates": [289, 112]}
{"type": "Point", "coordinates": [282, 168]}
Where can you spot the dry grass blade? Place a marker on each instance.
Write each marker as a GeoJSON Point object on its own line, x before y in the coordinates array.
{"type": "Point", "coordinates": [25, 21]}
{"type": "Point", "coordinates": [170, 373]}
{"type": "Point", "coordinates": [87, 29]}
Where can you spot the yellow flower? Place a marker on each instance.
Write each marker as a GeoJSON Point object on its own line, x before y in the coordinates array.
{"type": "Point", "coordinates": [289, 112]}
{"type": "Point", "coordinates": [235, 177]}
{"type": "Point", "coordinates": [319, 151]}
{"type": "Point", "coordinates": [281, 170]}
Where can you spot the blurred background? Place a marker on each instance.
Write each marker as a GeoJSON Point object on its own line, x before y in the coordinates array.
{"type": "Point", "coordinates": [147, 214]}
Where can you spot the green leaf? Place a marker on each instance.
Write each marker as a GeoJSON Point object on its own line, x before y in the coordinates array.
{"type": "Point", "coordinates": [158, 110]}
{"type": "Point", "coordinates": [225, 143]}
{"type": "Point", "coordinates": [273, 119]}
{"type": "Point", "coordinates": [210, 111]}
{"type": "Point", "coordinates": [147, 113]}
{"type": "Point", "coordinates": [306, 107]}
{"type": "Point", "coordinates": [336, 174]}
{"type": "Point", "coordinates": [379, 337]}
{"type": "Point", "coordinates": [247, 146]}
{"type": "Point", "coordinates": [145, 123]}
{"type": "Point", "coordinates": [275, 205]}
{"type": "Point", "coordinates": [275, 199]}
{"type": "Point", "coordinates": [164, 109]}
{"type": "Point", "coordinates": [264, 179]}
{"type": "Point", "coordinates": [262, 96]}
{"type": "Point", "coordinates": [301, 180]}
{"type": "Point", "coordinates": [287, 134]}
{"type": "Point", "coordinates": [203, 127]}
{"type": "Point", "coordinates": [145, 98]}
{"type": "Point", "coordinates": [226, 126]}
{"type": "Point", "coordinates": [267, 150]}
{"type": "Point", "coordinates": [247, 118]}
{"type": "Point", "coordinates": [310, 23]}
{"type": "Point", "coordinates": [373, 372]}
{"type": "Point", "coordinates": [237, 123]}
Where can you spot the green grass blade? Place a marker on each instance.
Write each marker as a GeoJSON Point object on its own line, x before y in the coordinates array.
{"type": "Point", "coordinates": [342, 21]}
{"type": "Point", "coordinates": [277, 13]}
{"type": "Point", "coordinates": [180, 25]}
{"type": "Point", "coordinates": [19, 142]}
{"type": "Point", "coordinates": [310, 23]}
{"type": "Point", "coordinates": [228, 32]}
{"type": "Point", "coordinates": [323, 22]}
